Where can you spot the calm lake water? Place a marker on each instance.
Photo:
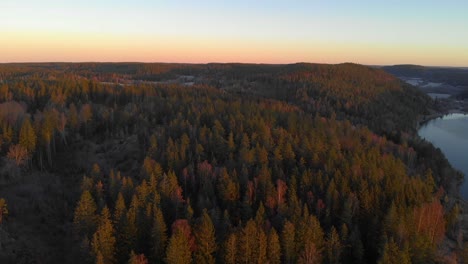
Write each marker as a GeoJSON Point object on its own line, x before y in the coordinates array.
{"type": "Point", "coordinates": [450, 134]}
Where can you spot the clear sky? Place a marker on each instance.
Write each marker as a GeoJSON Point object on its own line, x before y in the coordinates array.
{"type": "Point", "coordinates": [263, 31]}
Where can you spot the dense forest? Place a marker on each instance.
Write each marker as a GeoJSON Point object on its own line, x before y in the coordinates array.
{"type": "Point", "coordinates": [219, 163]}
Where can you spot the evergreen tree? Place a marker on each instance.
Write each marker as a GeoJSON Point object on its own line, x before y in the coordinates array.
{"type": "Point", "coordinates": [310, 254]}
{"type": "Point", "coordinates": [393, 255]}
{"type": "Point", "coordinates": [119, 211]}
{"type": "Point", "coordinates": [230, 249]}
{"type": "Point", "coordinates": [159, 235]}
{"type": "Point", "coordinates": [27, 136]}
{"type": "Point", "coordinates": [247, 248]}
{"type": "Point", "coordinates": [178, 249]}
{"type": "Point", "coordinates": [262, 246]}
{"type": "Point", "coordinates": [311, 231]}
{"type": "Point", "coordinates": [274, 248]}
{"type": "Point", "coordinates": [205, 240]}
{"type": "Point", "coordinates": [288, 242]}
{"type": "Point", "coordinates": [130, 228]}
{"type": "Point", "coordinates": [104, 239]}
{"type": "Point", "coordinates": [85, 216]}
{"type": "Point", "coordinates": [334, 247]}
{"type": "Point", "coordinates": [120, 221]}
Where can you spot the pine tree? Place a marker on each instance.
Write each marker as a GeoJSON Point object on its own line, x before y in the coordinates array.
{"type": "Point", "coordinates": [310, 254]}
{"type": "Point", "coordinates": [274, 248]}
{"type": "Point", "coordinates": [85, 216]}
{"type": "Point", "coordinates": [159, 235]}
{"type": "Point", "coordinates": [119, 210]}
{"type": "Point", "coordinates": [288, 242]}
{"type": "Point", "coordinates": [27, 136]}
{"type": "Point", "coordinates": [205, 240]}
{"type": "Point", "coordinates": [103, 239]}
{"type": "Point", "coordinates": [262, 246]}
{"type": "Point", "coordinates": [130, 228]}
{"type": "Point", "coordinates": [260, 215]}
{"type": "Point", "coordinates": [87, 184]}
{"type": "Point", "coordinates": [230, 249]}
{"type": "Point", "coordinates": [247, 243]}
{"type": "Point", "coordinates": [313, 232]}
{"type": "Point", "coordinates": [178, 249]}
{"type": "Point", "coordinates": [334, 247]}
{"type": "Point", "coordinates": [228, 189]}
{"type": "Point", "coordinates": [393, 255]}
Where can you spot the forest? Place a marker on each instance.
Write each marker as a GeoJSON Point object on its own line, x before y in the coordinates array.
{"type": "Point", "coordinates": [220, 163]}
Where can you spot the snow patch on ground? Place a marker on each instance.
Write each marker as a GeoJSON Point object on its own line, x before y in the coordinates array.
{"type": "Point", "coordinates": [414, 81]}
{"type": "Point", "coordinates": [432, 85]}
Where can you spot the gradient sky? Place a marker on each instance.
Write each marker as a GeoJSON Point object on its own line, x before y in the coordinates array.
{"type": "Point", "coordinates": [329, 31]}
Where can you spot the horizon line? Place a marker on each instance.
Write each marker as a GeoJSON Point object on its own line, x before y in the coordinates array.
{"type": "Point", "coordinates": [214, 62]}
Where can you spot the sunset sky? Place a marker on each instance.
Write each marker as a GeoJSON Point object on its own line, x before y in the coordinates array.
{"type": "Point", "coordinates": [264, 31]}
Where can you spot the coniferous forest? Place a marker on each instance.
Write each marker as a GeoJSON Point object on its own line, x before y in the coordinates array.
{"type": "Point", "coordinates": [220, 163]}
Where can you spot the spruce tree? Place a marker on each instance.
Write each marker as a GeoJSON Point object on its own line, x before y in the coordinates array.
{"type": "Point", "coordinates": [178, 249]}
{"type": "Point", "coordinates": [288, 242]}
{"type": "Point", "coordinates": [85, 216]}
{"type": "Point", "coordinates": [205, 240]}
{"type": "Point", "coordinates": [159, 235]}
{"type": "Point", "coordinates": [334, 247]}
{"type": "Point", "coordinates": [230, 249]}
{"type": "Point", "coordinates": [130, 227]}
{"type": "Point", "coordinates": [393, 255]}
{"type": "Point", "coordinates": [262, 246]}
{"type": "Point", "coordinates": [103, 239]}
{"type": "Point", "coordinates": [27, 136]}
{"type": "Point", "coordinates": [274, 248]}
{"type": "Point", "coordinates": [119, 210]}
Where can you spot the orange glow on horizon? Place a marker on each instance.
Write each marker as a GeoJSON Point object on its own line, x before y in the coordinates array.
{"type": "Point", "coordinates": [39, 46]}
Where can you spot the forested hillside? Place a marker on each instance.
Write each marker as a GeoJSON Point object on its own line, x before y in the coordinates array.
{"type": "Point", "coordinates": [218, 163]}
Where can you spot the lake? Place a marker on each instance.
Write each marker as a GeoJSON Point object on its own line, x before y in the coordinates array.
{"type": "Point", "coordinates": [450, 134]}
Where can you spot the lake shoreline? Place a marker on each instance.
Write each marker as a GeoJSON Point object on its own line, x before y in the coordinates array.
{"type": "Point", "coordinates": [456, 239]}
{"type": "Point", "coordinates": [427, 118]}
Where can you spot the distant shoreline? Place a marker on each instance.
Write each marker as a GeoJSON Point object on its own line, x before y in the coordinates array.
{"type": "Point", "coordinates": [452, 106]}
{"type": "Point", "coordinates": [427, 118]}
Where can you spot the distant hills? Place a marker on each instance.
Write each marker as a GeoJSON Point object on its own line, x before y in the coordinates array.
{"type": "Point", "coordinates": [361, 94]}
{"type": "Point", "coordinates": [443, 80]}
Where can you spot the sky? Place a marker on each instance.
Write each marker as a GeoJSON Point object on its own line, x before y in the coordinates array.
{"type": "Point", "coordinates": [433, 33]}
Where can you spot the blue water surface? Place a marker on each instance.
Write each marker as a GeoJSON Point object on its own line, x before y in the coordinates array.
{"type": "Point", "coordinates": [450, 134]}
